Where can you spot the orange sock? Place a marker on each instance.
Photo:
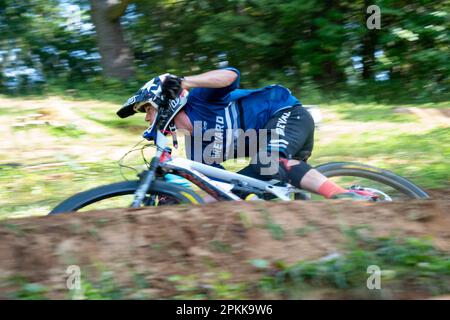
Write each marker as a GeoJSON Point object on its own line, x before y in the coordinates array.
{"type": "Point", "coordinates": [329, 189]}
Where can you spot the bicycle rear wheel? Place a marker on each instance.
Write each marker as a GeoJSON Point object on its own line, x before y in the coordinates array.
{"type": "Point", "coordinates": [389, 184]}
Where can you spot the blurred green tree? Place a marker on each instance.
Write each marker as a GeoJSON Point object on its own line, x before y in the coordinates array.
{"type": "Point", "coordinates": [302, 44]}
{"type": "Point", "coordinates": [40, 43]}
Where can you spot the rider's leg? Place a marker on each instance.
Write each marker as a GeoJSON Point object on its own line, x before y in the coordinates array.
{"type": "Point", "coordinates": [299, 174]}
{"type": "Point", "coordinates": [291, 135]}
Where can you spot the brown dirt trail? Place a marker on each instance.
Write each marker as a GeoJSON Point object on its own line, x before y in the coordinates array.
{"type": "Point", "coordinates": [181, 240]}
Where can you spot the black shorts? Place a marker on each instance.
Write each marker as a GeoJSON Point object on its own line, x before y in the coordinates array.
{"type": "Point", "coordinates": [292, 138]}
{"type": "Point", "coordinates": [291, 132]}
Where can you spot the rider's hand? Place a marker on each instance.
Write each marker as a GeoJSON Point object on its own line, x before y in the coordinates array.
{"type": "Point", "coordinates": [171, 87]}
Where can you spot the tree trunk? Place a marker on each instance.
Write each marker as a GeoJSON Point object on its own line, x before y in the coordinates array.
{"type": "Point", "coordinates": [369, 42]}
{"type": "Point", "coordinates": [116, 57]}
{"type": "Point", "coordinates": [368, 55]}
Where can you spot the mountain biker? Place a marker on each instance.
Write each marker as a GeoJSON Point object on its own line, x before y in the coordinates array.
{"type": "Point", "coordinates": [215, 103]}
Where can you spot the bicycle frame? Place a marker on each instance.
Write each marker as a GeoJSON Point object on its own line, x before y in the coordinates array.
{"type": "Point", "coordinates": [206, 177]}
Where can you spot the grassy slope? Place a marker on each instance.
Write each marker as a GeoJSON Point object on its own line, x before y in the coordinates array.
{"type": "Point", "coordinates": [411, 146]}
{"type": "Point", "coordinates": [41, 165]}
{"type": "Point", "coordinates": [80, 150]}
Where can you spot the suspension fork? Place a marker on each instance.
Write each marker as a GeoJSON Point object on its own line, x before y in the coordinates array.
{"type": "Point", "coordinates": [145, 183]}
{"type": "Point", "coordinates": [161, 156]}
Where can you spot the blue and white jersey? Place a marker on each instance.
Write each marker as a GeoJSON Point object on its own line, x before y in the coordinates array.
{"type": "Point", "coordinates": [219, 114]}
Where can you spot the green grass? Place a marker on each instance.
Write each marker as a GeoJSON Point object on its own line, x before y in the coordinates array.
{"type": "Point", "coordinates": [301, 232]}
{"type": "Point", "coordinates": [276, 230]}
{"type": "Point", "coordinates": [371, 112]}
{"type": "Point", "coordinates": [37, 191]}
{"type": "Point", "coordinates": [385, 112]}
{"type": "Point", "coordinates": [220, 286]}
{"type": "Point", "coordinates": [406, 264]}
{"type": "Point", "coordinates": [70, 131]}
{"type": "Point", "coordinates": [105, 116]}
{"type": "Point", "coordinates": [110, 90]}
{"type": "Point", "coordinates": [13, 112]}
{"type": "Point", "coordinates": [28, 290]}
{"type": "Point", "coordinates": [423, 158]}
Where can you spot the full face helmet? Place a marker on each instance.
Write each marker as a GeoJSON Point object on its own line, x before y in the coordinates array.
{"type": "Point", "coordinates": [166, 110]}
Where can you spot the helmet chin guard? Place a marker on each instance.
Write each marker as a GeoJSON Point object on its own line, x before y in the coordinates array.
{"type": "Point", "coordinates": [166, 110]}
{"type": "Point", "coordinates": [164, 118]}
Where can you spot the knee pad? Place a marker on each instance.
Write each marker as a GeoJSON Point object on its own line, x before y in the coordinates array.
{"type": "Point", "coordinates": [285, 172]}
{"type": "Point", "coordinates": [294, 173]}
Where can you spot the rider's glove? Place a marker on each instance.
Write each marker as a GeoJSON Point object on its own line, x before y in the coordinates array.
{"type": "Point", "coordinates": [171, 87]}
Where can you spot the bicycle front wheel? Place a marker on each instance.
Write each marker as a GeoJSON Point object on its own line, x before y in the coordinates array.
{"type": "Point", "coordinates": [121, 195]}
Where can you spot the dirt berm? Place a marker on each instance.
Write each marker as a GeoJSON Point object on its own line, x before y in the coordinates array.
{"type": "Point", "coordinates": [183, 240]}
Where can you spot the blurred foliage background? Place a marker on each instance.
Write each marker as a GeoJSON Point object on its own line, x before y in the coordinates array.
{"type": "Point", "coordinates": [319, 49]}
{"type": "Point", "coordinates": [66, 66]}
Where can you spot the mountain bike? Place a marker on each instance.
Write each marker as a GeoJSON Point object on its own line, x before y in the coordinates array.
{"type": "Point", "coordinates": [152, 188]}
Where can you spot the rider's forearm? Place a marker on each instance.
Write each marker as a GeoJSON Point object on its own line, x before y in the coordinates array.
{"type": "Point", "coordinates": [210, 79]}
